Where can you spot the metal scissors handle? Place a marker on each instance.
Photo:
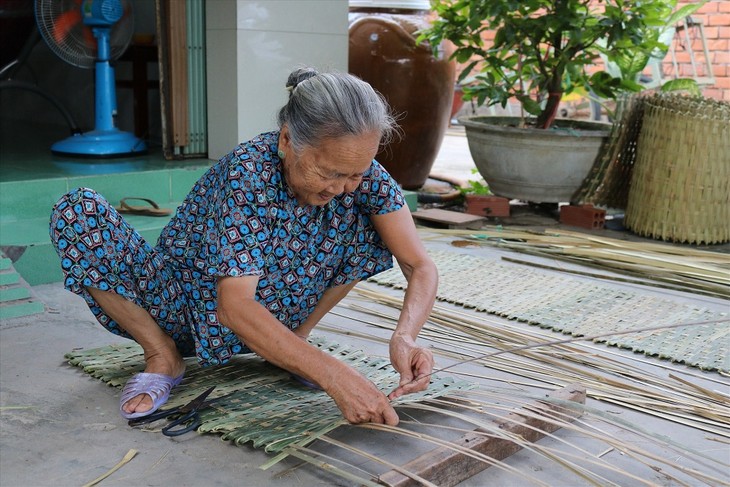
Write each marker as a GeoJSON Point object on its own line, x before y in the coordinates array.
{"type": "Point", "coordinates": [189, 419]}
{"type": "Point", "coordinates": [190, 422]}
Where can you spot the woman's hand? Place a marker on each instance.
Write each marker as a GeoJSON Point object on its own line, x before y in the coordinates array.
{"type": "Point", "coordinates": [358, 398]}
{"type": "Point", "coordinates": [414, 363]}
{"type": "Point", "coordinates": [360, 401]}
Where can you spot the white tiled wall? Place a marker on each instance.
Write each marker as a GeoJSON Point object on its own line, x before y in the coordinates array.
{"type": "Point", "coordinates": [252, 46]}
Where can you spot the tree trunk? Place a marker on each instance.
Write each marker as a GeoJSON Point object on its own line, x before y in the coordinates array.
{"type": "Point", "coordinates": [555, 94]}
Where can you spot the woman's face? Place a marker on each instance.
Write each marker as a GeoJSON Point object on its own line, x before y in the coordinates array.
{"type": "Point", "coordinates": [335, 166]}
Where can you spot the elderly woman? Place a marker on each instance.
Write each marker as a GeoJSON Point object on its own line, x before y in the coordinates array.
{"type": "Point", "coordinates": [268, 241]}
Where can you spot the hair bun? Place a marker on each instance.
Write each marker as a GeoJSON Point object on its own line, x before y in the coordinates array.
{"type": "Point", "coordinates": [299, 75]}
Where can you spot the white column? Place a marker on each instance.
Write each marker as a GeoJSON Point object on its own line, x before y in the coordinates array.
{"type": "Point", "coordinates": [252, 46]}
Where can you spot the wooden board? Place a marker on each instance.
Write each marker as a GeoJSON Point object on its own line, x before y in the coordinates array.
{"type": "Point", "coordinates": [178, 69]}
{"type": "Point", "coordinates": [448, 219]}
{"type": "Point", "coordinates": [446, 467]}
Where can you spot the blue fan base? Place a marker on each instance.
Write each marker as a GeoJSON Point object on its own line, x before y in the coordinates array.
{"type": "Point", "coordinates": [100, 144]}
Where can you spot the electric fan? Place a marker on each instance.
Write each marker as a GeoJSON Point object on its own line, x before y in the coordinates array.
{"type": "Point", "coordinates": [92, 33]}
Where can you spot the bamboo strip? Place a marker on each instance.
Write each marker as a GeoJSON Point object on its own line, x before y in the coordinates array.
{"type": "Point", "coordinates": [374, 458]}
{"type": "Point", "coordinates": [635, 429]}
{"type": "Point", "coordinates": [308, 456]}
{"type": "Point", "coordinates": [127, 458]}
{"type": "Point", "coordinates": [457, 448]}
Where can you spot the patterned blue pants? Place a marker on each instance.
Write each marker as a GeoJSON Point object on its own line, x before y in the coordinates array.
{"type": "Point", "coordinates": [99, 249]}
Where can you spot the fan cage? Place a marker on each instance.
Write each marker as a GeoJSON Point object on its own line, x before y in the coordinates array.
{"type": "Point", "coordinates": [61, 26]}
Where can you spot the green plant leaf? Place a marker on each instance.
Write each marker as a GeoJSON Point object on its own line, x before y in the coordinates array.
{"type": "Point", "coordinates": [684, 11]}
{"type": "Point", "coordinates": [475, 187]}
{"type": "Point", "coordinates": [544, 47]}
{"type": "Point", "coordinates": [682, 84]}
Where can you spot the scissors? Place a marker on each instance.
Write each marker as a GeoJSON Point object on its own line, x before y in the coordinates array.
{"type": "Point", "coordinates": [188, 420]}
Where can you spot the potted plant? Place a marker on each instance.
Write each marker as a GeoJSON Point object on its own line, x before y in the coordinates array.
{"type": "Point", "coordinates": [541, 51]}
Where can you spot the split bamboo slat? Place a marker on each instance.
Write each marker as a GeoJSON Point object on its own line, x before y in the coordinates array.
{"type": "Point", "coordinates": [608, 376]}
{"type": "Point", "coordinates": [259, 404]}
{"type": "Point", "coordinates": [513, 366]}
{"type": "Point", "coordinates": [680, 187]}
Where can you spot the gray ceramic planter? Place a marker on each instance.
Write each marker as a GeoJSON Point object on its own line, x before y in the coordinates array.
{"type": "Point", "coordinates": [540, 166]}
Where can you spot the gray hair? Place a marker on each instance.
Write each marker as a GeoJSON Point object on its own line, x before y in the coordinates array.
{"type": "Point", "coordinates": [332, 105]}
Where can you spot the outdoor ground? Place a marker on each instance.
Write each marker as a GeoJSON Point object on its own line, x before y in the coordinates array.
{"type": "Point", "coordinates": [61, 427]}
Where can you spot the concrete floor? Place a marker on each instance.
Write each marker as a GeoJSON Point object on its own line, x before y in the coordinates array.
{"type": "Point", "coordinates": [61, 427]}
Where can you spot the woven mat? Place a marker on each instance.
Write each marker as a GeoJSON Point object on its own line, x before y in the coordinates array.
{"type": "Point", "coordinates": [580, 307]}
{"type": "Point", "coordinates": [263, 404]}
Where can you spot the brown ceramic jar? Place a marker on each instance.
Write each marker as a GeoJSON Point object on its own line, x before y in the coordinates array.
{"type": "Point", "coordinates": [418, 85]}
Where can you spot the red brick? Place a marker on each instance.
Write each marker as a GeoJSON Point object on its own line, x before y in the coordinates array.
{"type": "Point", "coordinates": [718, 45]}
{"type": "Point", "coordinates": [707, 8]}
{"type": "Point", "coordinates": [710, 33]}
{"type": "Point", "coordinates": [722, 20]}
{"type": "Point", "coordinates": [487, 205]}
{"type": "Point", "coordinates": [721, 58]}
{"type": "Point", "coordinates": [723, 82]}
{"type": "Point", "coordinates": [682, 57]}
{"type": "Point", "coordinates": [720, 71]}
{"type": "Point", "coordinates": [712, 93]}
{"type": "Point", "coordinates": [723, 33]}
{"type": "Point", "coordinates": [723, 6]}
{"type": "Point", "coordinates": [584, 216]}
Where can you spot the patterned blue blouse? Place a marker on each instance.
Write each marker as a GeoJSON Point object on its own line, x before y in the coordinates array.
{"type": "Point", "coordinates": [241, 219]}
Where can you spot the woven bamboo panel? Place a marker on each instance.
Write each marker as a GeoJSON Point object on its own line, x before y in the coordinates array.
{"type": "Point", "coordinates": [260, 403]}
{"type": "Point", "coordinates": [580, 307]}
{"type": "Point", "coordinates": [680, 187]}
{"type": "Point", "coordinates": [608, 182]}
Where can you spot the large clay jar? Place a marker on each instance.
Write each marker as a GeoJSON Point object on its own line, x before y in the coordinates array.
{"type": "Point", "coordinates": [418, 85]}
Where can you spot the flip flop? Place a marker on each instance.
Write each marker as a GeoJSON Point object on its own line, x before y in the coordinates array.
{"type": "Point", "coordinates": [157, 386]}
{"type": "Point", "coordinates": [152, 210]}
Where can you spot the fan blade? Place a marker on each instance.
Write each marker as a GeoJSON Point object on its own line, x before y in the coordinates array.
{"type": "Point", "coordinates": [64, 23]}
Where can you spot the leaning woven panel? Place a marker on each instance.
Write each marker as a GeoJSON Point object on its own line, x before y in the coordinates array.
{"type": "Point", "coordinates": [680, 188]}
{"type": "Point", "coordinates": [260, 403]}
{"type": "Point", "coordinates": [608, 182]}
{"type": "Point", "coordinates": [580, 307]}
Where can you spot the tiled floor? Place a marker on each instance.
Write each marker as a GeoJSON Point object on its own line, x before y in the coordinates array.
{"type": "Point", "coordinates": [32, 179]}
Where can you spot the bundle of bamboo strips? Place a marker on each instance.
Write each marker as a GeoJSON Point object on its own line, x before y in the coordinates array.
{"type": "Point", "coordinates": [608, 375]}
{"type": "Point", "coordinates": [642, 385]}
{"type": "Point", "coordinates": [580, 450]}
{"type": "Point", "coordinates": [675, 267]}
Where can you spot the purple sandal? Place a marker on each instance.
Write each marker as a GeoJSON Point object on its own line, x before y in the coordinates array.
{"type": "Point", "coordinates": [157, 386]}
